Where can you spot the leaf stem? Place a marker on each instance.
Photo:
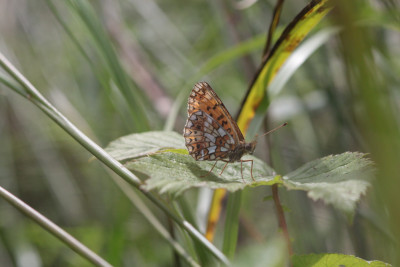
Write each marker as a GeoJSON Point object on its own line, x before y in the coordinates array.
{"type": "Point", "coordinates": [281, 218]}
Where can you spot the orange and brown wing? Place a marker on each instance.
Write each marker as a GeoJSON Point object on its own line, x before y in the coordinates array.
{"type": "Point", "coordinates": [210, 132]}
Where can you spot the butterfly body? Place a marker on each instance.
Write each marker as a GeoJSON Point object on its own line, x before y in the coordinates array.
{"type": "Point", "coordinates": [242, 149]}
{"type": "Point", "coordinates": [210, 131]}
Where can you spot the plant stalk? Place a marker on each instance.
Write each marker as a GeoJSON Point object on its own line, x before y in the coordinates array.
{"type": "Point", "coordinates": [281, 218]}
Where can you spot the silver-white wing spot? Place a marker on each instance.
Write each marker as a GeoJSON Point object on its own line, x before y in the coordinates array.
{"type": "Point", "coordinates": [218, 132]}
{"type": "Point", "coordinates": [211, 149]}
{"type": "Point", "coordinates": [189, 124]}
{"type": "Point", "coordinates": [221, 131]}
{"type": "Point", "coordinates": [210, 137]}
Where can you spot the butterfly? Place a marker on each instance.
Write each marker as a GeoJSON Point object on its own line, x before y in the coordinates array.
{"type": "Point", "coordinates": [210, 131]}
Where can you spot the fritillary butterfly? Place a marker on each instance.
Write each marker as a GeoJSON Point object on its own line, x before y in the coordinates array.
{"type": "Point", "coordinates": [210, 131]}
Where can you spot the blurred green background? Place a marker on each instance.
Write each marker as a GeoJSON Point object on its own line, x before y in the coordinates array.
{"type": "Point", "coordinates": [118, 67]}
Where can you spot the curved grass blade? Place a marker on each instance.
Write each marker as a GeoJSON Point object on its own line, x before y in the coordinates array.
{"type": "Point", "coordinates": [296, 59]}
{"type": "Point", "coordinates": [112, 73]}
{"type": "Point", "coordinates": [272, 27]}
{"type": "Point", "coordinates": [54, 229]}
{"type": "Point", "coordinates": [294, 33]}
{"type": "Point", "coordinates": [215, 212]}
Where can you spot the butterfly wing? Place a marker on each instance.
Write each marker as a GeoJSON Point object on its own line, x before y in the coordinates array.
{"type": "Point", "coordinates": [210, 131]}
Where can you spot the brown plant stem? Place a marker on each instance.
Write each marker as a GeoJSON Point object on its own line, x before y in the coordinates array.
{"type": "Point", "coordinates": [281, 218]}
{"type": "Point", "coordinates": [275, 195]}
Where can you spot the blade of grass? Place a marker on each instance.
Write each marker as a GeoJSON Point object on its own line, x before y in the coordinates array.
{"type": "Point", "coordinates": [293, 34]}
{"type": "Point", "coordinates": [232, 224]}
{"type": "Point", "coordinates": [173, 114]}
{"type": "Point", "coordinates": [272, 27]}
{"type": "Point", "coordinates": [141, 206]}
{"type": "Point", "coordinates": [215, 212]}
{"type": "Point", "coordinates": [101, 76]}
{"type": "Point", "coordinates": [54, 229]}
{"type": "Point", "coordinates": [133, 97]}
{"type": "Point", "coordinates": [36, 98]}
{"type": "Point", "coordinates": [187, 211]}
{"type": "Point", "coordinates": [296, 59]}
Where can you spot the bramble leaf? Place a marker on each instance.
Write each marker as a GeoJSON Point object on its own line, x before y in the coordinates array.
{"type": "Point", "coordinates": [339, 180]}
{"type": "Point", "coordinates": [322, 260]}
{"type": "Point", "coordinates": [162, 159]}
{"type": "Point", "coordinates": [138, 145]}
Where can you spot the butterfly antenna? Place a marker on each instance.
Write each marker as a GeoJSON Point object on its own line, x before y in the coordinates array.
{"type": "Point", "coordinates": [273, 130]}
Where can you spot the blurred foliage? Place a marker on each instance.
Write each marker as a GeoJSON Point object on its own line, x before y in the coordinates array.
{"type": "Point", "coordinates": [119, 68]}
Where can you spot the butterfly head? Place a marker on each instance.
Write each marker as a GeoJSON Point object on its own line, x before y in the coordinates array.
{"type": "Point", "coordinates": [249, 147]}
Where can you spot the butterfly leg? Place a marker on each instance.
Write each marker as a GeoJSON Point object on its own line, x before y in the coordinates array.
{"type": "Point", "coordinates": [210, 170]}
{"type": "Point", "coordinates": [251, 169]}
{"type": "Point", "coordinates": [241, 170]}
{"type": "Point", "coordinates": [224, 166]}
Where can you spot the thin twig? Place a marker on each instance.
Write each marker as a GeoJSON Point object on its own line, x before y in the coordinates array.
{"type": "Point", "coordinates": [275, 195]}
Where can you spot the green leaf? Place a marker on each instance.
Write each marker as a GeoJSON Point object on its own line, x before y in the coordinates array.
{"type": "Point", "coordinates": [174, 173]}
{"type": "Point", "coordinates": [162, 158]}
{"type": "Point", "coordinates": [339, 180]}
{"type": "Point", "coordinates": [323, 260]}
{"type": "Point", "coordinates": [139, 145]}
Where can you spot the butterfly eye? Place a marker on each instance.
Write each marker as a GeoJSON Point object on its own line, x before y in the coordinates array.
{"type": "Point", "coordinates": [249, 147]}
